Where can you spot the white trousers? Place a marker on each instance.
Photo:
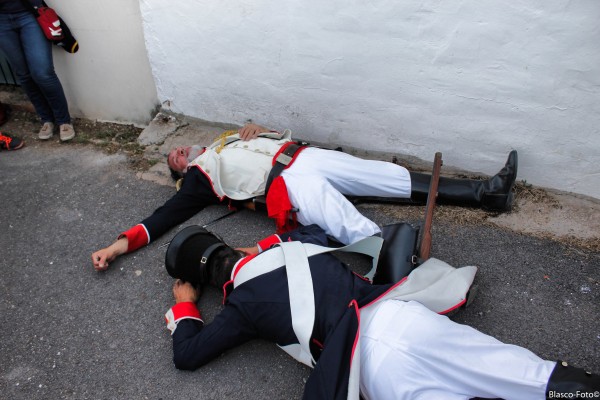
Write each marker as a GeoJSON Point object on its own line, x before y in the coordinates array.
{"type": "Point", "coordinates": [410, 352]}
{"type": "Point", "coordinates": [318, 180]}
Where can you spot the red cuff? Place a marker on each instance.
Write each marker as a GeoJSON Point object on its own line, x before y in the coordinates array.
{"type": "Point", "coordinates": [267, 242]}
{"type": "Point", "coordinates": [181, 311]}
{"type": "Point", "coordinates": [185, 309]}
{"type": "Point", "coordinates": [137, 237]}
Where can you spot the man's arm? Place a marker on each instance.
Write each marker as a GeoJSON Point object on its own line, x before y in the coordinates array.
{"type": "Point", "coordinates": [305, 234]}
{"type": "Point", "coordinates": [194, 343]}
{"type": "Point", "coordinates": [195, 194]}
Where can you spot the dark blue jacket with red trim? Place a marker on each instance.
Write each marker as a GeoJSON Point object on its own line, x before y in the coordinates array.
{"type": "Point", "coordinates": [260, 308]}
{"type": "Point", "coordinates": [195, 194]}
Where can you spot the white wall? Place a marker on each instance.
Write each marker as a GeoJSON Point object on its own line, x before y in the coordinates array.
{"type": "Point", "coordinates": [109, 78]}
{"type": "Point", "coordinates": [470, 79]}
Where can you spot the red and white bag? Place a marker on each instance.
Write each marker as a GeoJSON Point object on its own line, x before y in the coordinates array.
{"type": "Point", "coordinates": [50, 23]}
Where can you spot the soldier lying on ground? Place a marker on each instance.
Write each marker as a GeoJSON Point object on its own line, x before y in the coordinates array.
{"type": "Point", "coordinates": [384, 341]}
{"type": "Point", "coordinates": [302, 183]}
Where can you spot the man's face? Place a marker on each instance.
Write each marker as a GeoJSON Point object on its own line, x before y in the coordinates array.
{"type": "Point", "coordinates": [178, 158]}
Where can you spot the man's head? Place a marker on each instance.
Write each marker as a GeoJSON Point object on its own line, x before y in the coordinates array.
{"type": "Point", "coordinates": [198, 256]}
{"type": "Point", "coordinates": [179, 158]}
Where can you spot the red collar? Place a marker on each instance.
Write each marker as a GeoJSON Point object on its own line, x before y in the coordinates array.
{"type": "Point", "coordinates": [228, 286]}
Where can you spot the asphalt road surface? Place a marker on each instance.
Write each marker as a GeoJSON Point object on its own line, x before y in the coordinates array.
{"type": "Point", "coordinates": [69, 332]}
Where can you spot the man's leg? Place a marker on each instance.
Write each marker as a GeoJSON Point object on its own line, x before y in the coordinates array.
{"type": "Point", "coordinates": [320, 203]}
{"type": "Point", "coordinates": [380, 180]}
{"type": "Point", "coordinates": [409, 352]}
{"type": "Point", "coordinates": [355, 176]}
{"type": "Point", "coordinates": [38, 52]}
{"type": "Point", "coordinates": [493, 194]}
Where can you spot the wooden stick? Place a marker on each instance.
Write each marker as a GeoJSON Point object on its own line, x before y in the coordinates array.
{"type": "Point", "coordinates": [431, 197]}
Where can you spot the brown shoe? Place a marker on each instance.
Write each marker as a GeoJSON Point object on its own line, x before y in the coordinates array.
{"type": "Point", "coordinates": [47, 131]}
{"type": "Point", "coordinates": [66, 132]}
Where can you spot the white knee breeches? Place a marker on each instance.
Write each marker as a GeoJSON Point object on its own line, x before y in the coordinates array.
{"type": "Point", "coordinates": [409, 352]}
{"type": "Point", "coordinates": [318, 180]}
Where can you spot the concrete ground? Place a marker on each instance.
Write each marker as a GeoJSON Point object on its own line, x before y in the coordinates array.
{"type": "Point", "coordinates": [69, 332]}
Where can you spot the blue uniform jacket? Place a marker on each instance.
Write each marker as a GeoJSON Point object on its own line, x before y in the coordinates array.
{"type": "Point", "coordinates": [260, 308]}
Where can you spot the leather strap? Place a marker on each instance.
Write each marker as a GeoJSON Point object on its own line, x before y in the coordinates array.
{"type": "Point", "coordinates": [282, 161]}
{"type": "Point", "coordinates": [273, 259]}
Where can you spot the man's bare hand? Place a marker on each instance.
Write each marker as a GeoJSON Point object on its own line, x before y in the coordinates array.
{"type": "Point", "coordinates": [184, 292]}
{"type": "Point", "coordinates": [251, 131]}
{"type": "Point", "coordinates": [101, 258]}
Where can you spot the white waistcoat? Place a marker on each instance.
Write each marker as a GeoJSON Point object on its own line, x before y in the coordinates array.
{"type": "Point", "coordinates": [240, 169]}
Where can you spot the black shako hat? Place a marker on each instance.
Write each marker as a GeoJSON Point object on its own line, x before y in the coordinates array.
{"type": "Point", "coordinates": [188, 253]}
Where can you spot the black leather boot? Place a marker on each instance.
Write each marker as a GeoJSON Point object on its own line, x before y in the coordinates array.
{"type": "Point", "coordinates": [492, 194]}
{"type": "Point", "coordinates": [569, 380]}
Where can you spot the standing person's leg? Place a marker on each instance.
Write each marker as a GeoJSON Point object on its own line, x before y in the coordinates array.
{"type": "Point", "coordinates": [38, 52]}
{"type": "Point", "coordinates": [10, 30]}
{"type": "Point", "coordinates": [409, 352]}
{"type": "Point", "coordinates": [31, 56]}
